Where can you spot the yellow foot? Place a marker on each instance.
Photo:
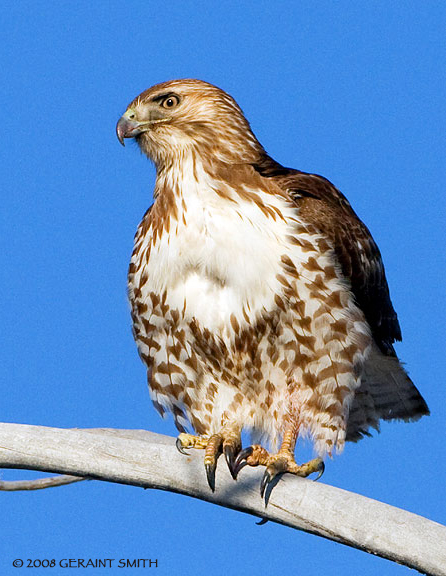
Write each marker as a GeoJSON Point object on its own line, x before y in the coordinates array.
{"type": "Point", "coordinates": [275, 464]}
{"type": "Point", "coordinates": [191, 441]}
{"type": "Point", "coordinates": [227, 441]}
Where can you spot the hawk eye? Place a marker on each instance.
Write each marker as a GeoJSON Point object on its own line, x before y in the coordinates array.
{"type": "Point", "coordinates": [170, 101]}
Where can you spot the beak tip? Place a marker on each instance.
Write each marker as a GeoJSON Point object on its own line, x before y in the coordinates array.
{"type": "Point", "coordinates": [126, 128]}
{"type": "Point", "coordinates": [120, 134]}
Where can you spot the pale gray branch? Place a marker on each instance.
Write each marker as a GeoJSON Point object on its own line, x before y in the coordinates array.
{"type": "Point", "coordinates": [39, 484]}
{"type": "Point", "coordinates": [141, 458]}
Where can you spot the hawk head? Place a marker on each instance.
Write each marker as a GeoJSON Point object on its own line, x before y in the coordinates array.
{"type": "Point", "coordinates": [174, 119]}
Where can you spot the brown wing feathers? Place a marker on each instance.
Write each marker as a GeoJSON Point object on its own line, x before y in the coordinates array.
{"type": "Point", "coordinates": [359, 257]}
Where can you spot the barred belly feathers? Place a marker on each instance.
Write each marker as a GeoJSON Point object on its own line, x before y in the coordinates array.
{"type": "Point", "coordinates": [259, 299]}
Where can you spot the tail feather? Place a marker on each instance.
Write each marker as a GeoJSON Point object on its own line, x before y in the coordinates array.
{"type": "Point", "coordinates": [386, 393]}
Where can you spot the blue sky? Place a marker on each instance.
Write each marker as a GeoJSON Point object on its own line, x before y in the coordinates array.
{"type": "Point", "coordinates": [351, 90]}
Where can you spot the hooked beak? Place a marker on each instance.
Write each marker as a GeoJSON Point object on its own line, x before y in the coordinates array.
{"type": "Point", "coordinates": [126, 128]}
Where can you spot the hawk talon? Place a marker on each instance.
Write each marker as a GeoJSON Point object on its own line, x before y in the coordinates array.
{"type": "Point", "coordinates": [262, 521]}
{"type": "Point", "coordinates": [185, 440]}
{"type": "Point", "coordinates": [242, 460]}
{"type": "Point", "coordinates": [266, 481]}
{"type": "Point", "coordinates": [229, 453]}
{"type": "Point", "coordinates": [320, 469]}
{"type": "Point", "coordinates": [210, 474]}
{"type": "Point", "coordinates": [239, 467]}
{"type": "Point", "coordinates": [180, 448]}
{"type": "Point", "coordinates": [277, 464]}
{"type": "Point", "coordinates": [275, 469]}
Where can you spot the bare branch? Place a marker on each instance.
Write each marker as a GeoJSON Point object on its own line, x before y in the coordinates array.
{"type": "Point", "coordinates": [38, 484]}
{"type": "Point", "coordinates": [141, 458]}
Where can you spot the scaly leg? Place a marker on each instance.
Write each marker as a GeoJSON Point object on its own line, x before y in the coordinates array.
{"type": "Point", "coordinates": [226, 441]}
{"type": "Point", "coordinates": [278, 463]}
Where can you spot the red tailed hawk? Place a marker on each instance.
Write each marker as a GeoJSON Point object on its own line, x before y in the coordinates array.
{"type": "Point", "coordinates": [259, 299]}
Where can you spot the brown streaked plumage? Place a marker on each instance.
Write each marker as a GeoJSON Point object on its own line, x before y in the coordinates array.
{"type": "Point", "coordinates": [259, 299]}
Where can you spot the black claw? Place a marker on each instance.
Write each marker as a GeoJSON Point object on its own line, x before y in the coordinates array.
{"type": "Point", "coordinates": [243, 454]}
{"type": "Point", "coordinates": [267, 478]}
{"type": "Point", "coordinates": [240, 461]}
{"type": "Point", "coordinates": [262, 521]}
{"type": "Point", "coordinates": [238, 467]}
{"type": "Point", "coordinates": [210, 473]}
{"type": "Point", "coordinates": [321, 470]}
{"type": "Point", "coordinates": [180, 447]}
{"type": "Point", "coordinates": [230, 459]}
